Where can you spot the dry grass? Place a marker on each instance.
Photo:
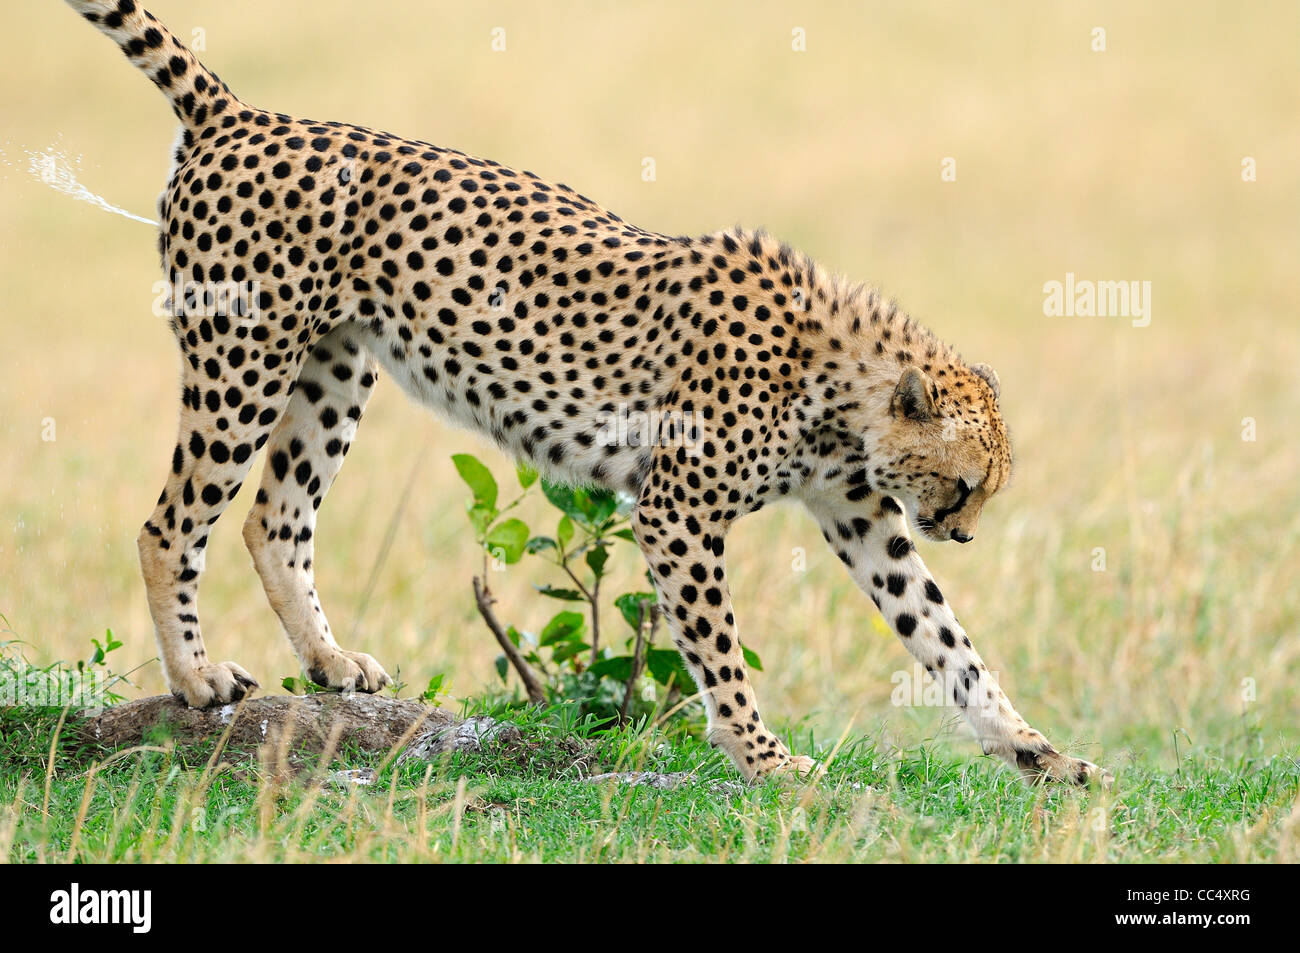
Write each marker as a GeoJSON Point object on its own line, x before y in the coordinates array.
{"type": "Point", "coordinates": [1116, 165]}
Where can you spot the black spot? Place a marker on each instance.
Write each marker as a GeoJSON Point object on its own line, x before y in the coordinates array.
{"type": "Point", "coordinates": [898, 547]}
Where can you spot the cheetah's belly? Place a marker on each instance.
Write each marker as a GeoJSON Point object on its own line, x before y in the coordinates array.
{"type": "Point", "coordinates": [583, 448]}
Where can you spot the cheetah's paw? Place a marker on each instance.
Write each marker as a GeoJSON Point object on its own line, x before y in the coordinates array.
{"type": "Point", "coordinates": [214, 684]}
{"type": "Point", "coordinates": [795, 766]}
{"type": "Point", "coordinates": [349, 672]}
{"type": "Point", "coordinates": [1050, 765]}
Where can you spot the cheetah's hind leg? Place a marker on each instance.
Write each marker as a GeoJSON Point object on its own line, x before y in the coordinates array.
{"type": "Point", "coordinates": [222, 426]}
{"type": "Point", "coordinates": [304, 455]}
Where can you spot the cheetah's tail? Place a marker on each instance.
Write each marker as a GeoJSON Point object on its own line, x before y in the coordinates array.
{"type": "Point", "coordinates": [195, 92]}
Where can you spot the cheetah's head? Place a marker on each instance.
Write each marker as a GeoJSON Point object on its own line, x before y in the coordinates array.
{"type": "Point", "coordinates": [945, 450]}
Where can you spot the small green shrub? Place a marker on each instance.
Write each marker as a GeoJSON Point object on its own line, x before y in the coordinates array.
{"type": "Point", "coordinates": [617, 677]}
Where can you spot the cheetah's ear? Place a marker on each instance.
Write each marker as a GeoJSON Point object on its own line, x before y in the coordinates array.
{"type": "Point", "coordinates": [990, 377]}
{"type": "Point", "coordinates": [914, 397]}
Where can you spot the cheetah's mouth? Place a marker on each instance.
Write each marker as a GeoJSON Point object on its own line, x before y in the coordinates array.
{"type": "Point", "coordinates": [928, 528]}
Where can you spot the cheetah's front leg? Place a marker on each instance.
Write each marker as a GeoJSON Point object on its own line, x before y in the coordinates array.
{"type": "Point", "coordinates": [684, 550]}
{"type": "Point", "coordinates": [872, 540]}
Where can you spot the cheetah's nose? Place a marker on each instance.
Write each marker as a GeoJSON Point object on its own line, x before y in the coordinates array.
{"type": "Point", "coordinates": [960, 536]}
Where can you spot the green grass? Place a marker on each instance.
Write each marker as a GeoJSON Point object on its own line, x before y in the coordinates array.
{"type": "Point", "coordinates": [169, 804]}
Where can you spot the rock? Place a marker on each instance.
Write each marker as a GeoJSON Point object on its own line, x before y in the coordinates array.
{"type": "Point", "coordinates": [665, 782]}
{"type": "Point", "coordinates": [469, 735]}
{"type": "Point", "coordinates": [351, 777]}
{"type": "Point", "coordinates": [313, 722]}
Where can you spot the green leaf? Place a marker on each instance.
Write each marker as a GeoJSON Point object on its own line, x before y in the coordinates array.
{"type": "Point", "coordinates": [436, 687]}
{"type": "Point", "coordinates": [567, 650]}
{"type": "Point", "coordinates": [751, 658]}
{"type": "Point", "coordinates": [502, 667]}
{"type": "Point", "coordinates": [478, 477]}
{"type": "Point", "coordinates": [572, 595]}
{"type": "Point", "coordinates": [625, 534]}
{"type": "Point", "coordinates": [597, 505]}
{"type": "Point", "coordinates": [506, 540]}
{"type": "Point", "coordinates": [563, 497]}
{"type": "Point", "coordinates": [539, 543]}
{"type": "Point", "coordinates": [619, 668]}
{"type": "Point", "coordinates": [526, 474]}
{"type": "Point", "coordinates": [481, 517]}
{"type": "Point", "coordinates": [564, 532]}
{"type": "Point", "coordinates": [588, 506]}
{"type": "Point", "coordinates": [300, 686]}
{"type": "Point", "coordinates": [596, 559]}
{"type": "Point", "coordinates": [514, 635]}
{"type": "Point", "coordinates": [667, 664]}
{"type": "Point", "coordinates": [563, 627]}
{"type": "Point", "coordinates": [629, 604]}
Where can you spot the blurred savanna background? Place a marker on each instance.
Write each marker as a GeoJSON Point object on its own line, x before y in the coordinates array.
{"type": "Point", "coordinates": [1134, 586]}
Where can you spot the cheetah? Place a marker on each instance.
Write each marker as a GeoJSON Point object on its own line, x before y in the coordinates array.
{"type": "Point", "coordinates": [524, 311]}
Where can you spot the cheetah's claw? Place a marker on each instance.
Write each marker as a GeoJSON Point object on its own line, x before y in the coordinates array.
{"type": "Point", "coordinates": [1050, 765]}
{"type": "Point", "coordinates": [350, 672]}
{"type": "Point", "coordinates": [214, 684]}
{"type": "Point", "coordinates": [797, 766]}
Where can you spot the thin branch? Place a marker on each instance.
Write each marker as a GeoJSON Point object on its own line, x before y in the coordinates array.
{"type": "Point", "coordinates": [576, 581]}
{"type": "Point", "coordinates": [483, 597]}
{"type": "Point", "coordinates": [595, 621]}
{"type": "Point", "coordinates": [646, 620]}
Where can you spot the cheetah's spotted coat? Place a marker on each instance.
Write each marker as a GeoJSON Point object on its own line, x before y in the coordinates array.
{"type": "Point", "coordinates": [526, 312]}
